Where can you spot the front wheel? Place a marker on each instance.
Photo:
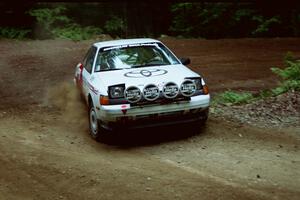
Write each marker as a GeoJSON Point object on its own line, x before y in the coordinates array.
{"type": "Point", "coordinates": [95, 129]}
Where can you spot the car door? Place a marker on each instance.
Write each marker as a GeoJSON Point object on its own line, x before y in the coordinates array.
{"type": "Point", "coordinates": [88, 63]}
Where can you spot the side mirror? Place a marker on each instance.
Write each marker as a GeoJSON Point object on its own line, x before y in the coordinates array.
{"type": "Point", "coordinates": [185, 61]}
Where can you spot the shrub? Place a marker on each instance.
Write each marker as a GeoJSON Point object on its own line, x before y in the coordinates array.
{"type": "Point", "coordinates": [242, 13]}
{"type": "Point", "coordinates": [195, 19]}
{"type": "Point", "coordinates": [184, 18]}
{"type": "Point", "coordinates": [14, 33]}
{"type": "Point", "coordinates": [57, 25]}
{"type": "Point", "coordinates": [231, 97]}
{"type": "Point", "coordinates": [115, 26]}
{"type": "Point", "coordinates": [218, 20]}
{"type": "Point", "coordinates": [76, 32]}
{"type": "Point", "coordinates": [264, 24]}
{"type": "Point", "coordinates": [290, 75]}
{"type": "Point", "coordinates": [49, 18]}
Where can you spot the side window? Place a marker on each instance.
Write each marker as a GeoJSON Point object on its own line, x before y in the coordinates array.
{"type": "Point", "coordinates": [89, 59]}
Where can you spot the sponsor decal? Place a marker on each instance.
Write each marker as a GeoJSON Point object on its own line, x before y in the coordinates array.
{"type": "Point", "coordinates": [93, 89]}
{"type": "Point", "coordinates": [129, 45]}
{"type": "Point", "coordinates": [145, 73]}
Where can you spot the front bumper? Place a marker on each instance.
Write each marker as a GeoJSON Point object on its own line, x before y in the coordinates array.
{"type": "Point", "coordinates": [125, 116]}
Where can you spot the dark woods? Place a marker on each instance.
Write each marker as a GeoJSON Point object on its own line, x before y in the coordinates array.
{"type": "Point", "coordinates": [200, 19]}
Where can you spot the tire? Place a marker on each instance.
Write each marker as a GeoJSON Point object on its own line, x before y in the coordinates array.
{"type": "Point", "coordinates": [206, 112]}
{"type": "Point", "coordinates": [201, 123]}
{"type": "Point", "coordinates": [94, 127]}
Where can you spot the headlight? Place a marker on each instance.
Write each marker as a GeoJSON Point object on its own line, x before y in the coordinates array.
{"type": "Point", "coordinates": [198, 82]}
{"type": "Point", "coordinates": [116, 91]}
{"type": "Point", "coordinates": [200, 85]}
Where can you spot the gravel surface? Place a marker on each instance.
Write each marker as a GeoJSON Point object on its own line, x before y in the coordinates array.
{"type": "Point", "coordinates": [281, 111]}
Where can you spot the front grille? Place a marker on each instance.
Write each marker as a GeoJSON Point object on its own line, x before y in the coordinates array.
{"type": "Point", "coordinates": [161, 101]}
{"type": "Point", "coordinates": [158, 119]}
{"type": "Point", "coordinates": [167, 117]}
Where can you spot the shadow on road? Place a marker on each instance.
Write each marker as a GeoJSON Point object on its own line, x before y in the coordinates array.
{"type": "Point", "coordinates": [153, 136]}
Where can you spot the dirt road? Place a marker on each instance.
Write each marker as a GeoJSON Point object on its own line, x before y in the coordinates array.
{"type": "Point", "coordinates": [46, 152]}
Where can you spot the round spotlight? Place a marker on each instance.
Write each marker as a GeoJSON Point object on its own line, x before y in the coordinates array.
{"type": "Point", "coordinates": [188, 88]}
{"type": "Point", "coordinates": [170, 90]}
{"type": "Point", "coordinates": [151, 92]}
{"type": "Point", "coordinates": [133, 94]}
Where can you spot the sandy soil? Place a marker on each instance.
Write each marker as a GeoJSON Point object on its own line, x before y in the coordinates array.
{"type": "Point", "coordinates": [46, 152]}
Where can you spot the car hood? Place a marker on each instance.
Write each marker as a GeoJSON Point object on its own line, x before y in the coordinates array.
{"type": "Point", "coordinates": [158, 75]}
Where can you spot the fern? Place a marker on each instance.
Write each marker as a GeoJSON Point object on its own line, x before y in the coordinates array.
{"type": "Point", "coordinates": [290, 75]}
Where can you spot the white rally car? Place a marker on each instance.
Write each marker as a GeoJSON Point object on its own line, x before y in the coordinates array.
{"type": "Point", "coordinates": [138, 83]}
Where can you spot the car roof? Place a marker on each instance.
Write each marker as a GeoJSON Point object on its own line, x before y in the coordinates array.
{"type": "Point", "coordinates": [124, 42]}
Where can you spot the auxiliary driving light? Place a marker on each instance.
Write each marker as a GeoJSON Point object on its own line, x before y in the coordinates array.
{"type": "Point", "coordinates": [188, 88]}
{"type": "Point", "coordinates": [151, 92]}
{"type": "Point", "coordinates": [170, 90]}
{"type": "Point", "coordinates": [133, 94]}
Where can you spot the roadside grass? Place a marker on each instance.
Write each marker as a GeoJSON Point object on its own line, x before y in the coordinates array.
{"type": "Point", "coordinates": [231, 97]}
{"type": "Point", "coordinates": [14, 33]}
{"type": "Point", "coordinates": [290, 81]}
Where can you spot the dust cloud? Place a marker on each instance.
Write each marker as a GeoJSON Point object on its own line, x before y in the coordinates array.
{"type": "Point", "coordinates": [66, 98]}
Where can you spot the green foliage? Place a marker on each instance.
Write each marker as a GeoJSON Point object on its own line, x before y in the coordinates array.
{"type": "Point", "coordinates": [290, 75]}
{"type": "Point", "coordinates": [55, 24]}
{"type": "Point", "coordinates": [212, 12]}
{"type": "Point", "coordinates": [116, 26]}
{"type": "Point", "coordinates": [242, 13]}
{"type": "Point", "coordinates": [213, 20]}
{"type": "Point", "coordinates": [194, 19]}
{"type": "Point", "coordinates": [179, 25]}
{"type": "Point", "coordinates": [14, 33]}
{"type": "Point", "coordinates": [48, 18]}
{"type": "Point", "coordinates": [231, 97]}
{"type": "Point", "coordinates": [265, 94]}
{"type": "Point", "coordinates": [291, 72]}
{"type": "Point", "coordinates": [76, 32]}
{"type": "Point", "coordinates": [264, 24]}
{"type": "Point", "coordinates": [278, 90]}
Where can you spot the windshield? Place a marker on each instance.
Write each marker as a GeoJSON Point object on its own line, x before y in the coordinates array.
{"type": "Point", "coordinates": [134, 56]}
